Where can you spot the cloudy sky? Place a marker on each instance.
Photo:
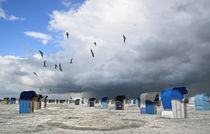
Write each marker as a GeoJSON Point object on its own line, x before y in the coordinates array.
{"type": "Point", "coordinates": [167, 45]}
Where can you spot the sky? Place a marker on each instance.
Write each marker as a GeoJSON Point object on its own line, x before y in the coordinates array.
{"type": "Point", "coordinates": [167, 45]}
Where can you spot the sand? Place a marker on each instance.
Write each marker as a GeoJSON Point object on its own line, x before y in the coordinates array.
{"type": "Point", "coordinates": [70, 119]}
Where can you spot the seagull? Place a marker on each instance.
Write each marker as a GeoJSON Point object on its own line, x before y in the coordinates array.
{"type": "Point", "coordinates": [71, 61]}
{"type": "Point", "coordinates": [92, 53]}
{"type": "Point", "coordinates": [67, 35]}
{"type": "Point", "coordinates": [60, 68]}
{"type": "Point", "coordinates": [45, 63]}
{"type": "Point", "coordinates": [124, 38]}
{"type": "Point", "coordinates": [35, 74]}
{"type": "Point", "coordinates": [95, 43]}
{"type": "Point", "coordinates": [41, 53]}
{"type": "Point", "coordinates": [56, 66]}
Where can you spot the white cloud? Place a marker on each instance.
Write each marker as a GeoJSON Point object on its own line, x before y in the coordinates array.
{"type": "Point", "coordinates": [2, 13]}
{"type": "Point", "coordinates": [8, 17]}
{"type": "Point", "coordinates": [17, 73]}
{"type": "Point", "coordinates": [14, 18]}
{"type": "Point", "coordinates": [73, 5]}
{"type": "Point", "coordinates": [44, 37]}
{"type": "Point", "coordinates": [44, 42]}
{"type": "Point", "coordinates": [66, 3]}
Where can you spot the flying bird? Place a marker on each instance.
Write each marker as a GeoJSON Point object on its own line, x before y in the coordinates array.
{"type": "Point", "coordinates": [124, 38]}
{"type": "Point", "coordinates": [92, 53]}
{"type": "Point", "coordinates": [60, 68]}
{"type": "Point", "coordinates": [35, 74]}
{"type": "Point", "coordinates": [41, 53]}
{"type": "Point", "coordinates": [67, 35]}
{"type": "Point", "coordinates": [71, 61]}
{"type": "Point", "coordinates": [95, 43]}
{"type": "Point", "coordinates": [56, 66]}
{"type": "Point", "coordinates": [45, 63]}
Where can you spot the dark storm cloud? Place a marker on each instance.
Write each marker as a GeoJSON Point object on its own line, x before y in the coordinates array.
{"type": "Point", "coordinates": [171, 50]}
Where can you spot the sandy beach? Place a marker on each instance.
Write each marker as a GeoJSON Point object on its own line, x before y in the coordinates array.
{"type": "Point", "coordinates": [68, 118]}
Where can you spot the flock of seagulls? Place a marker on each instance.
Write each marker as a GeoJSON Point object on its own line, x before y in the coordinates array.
{"type": "Point", "coordinates": [71, 60]}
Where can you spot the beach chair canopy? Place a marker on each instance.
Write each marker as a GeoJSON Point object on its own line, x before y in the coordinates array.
{"type": "Point", "coordinates": [120, 98]}
{"type": "Point", "coordinates": [27, 95]}
{"type": "Point", "coordinates": [92, 99]}
{"type": "Point", "coordinates": [170, 94]}
{"type": "Point", "coordinates": [6, 98]}
{"type": "Point", "coordinates": [104, 99]}
{"type": "Point", "coordinates": [77, 100]}
{"type": "Point", "coordinates": [13, 98]}
{"type": "Point", "coordinates": [44, 98]}
{"type": "Point", "coordinates": [150, 96]}
{"type": "Point", "coordinates": [37, 98]}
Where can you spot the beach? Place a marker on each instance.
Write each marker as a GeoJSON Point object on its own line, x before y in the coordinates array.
{"type": "Point", "coordinates": [68, 118]}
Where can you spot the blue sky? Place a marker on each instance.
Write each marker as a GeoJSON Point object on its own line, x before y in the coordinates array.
{"type": "Point", "coordinates": [36, 17]}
